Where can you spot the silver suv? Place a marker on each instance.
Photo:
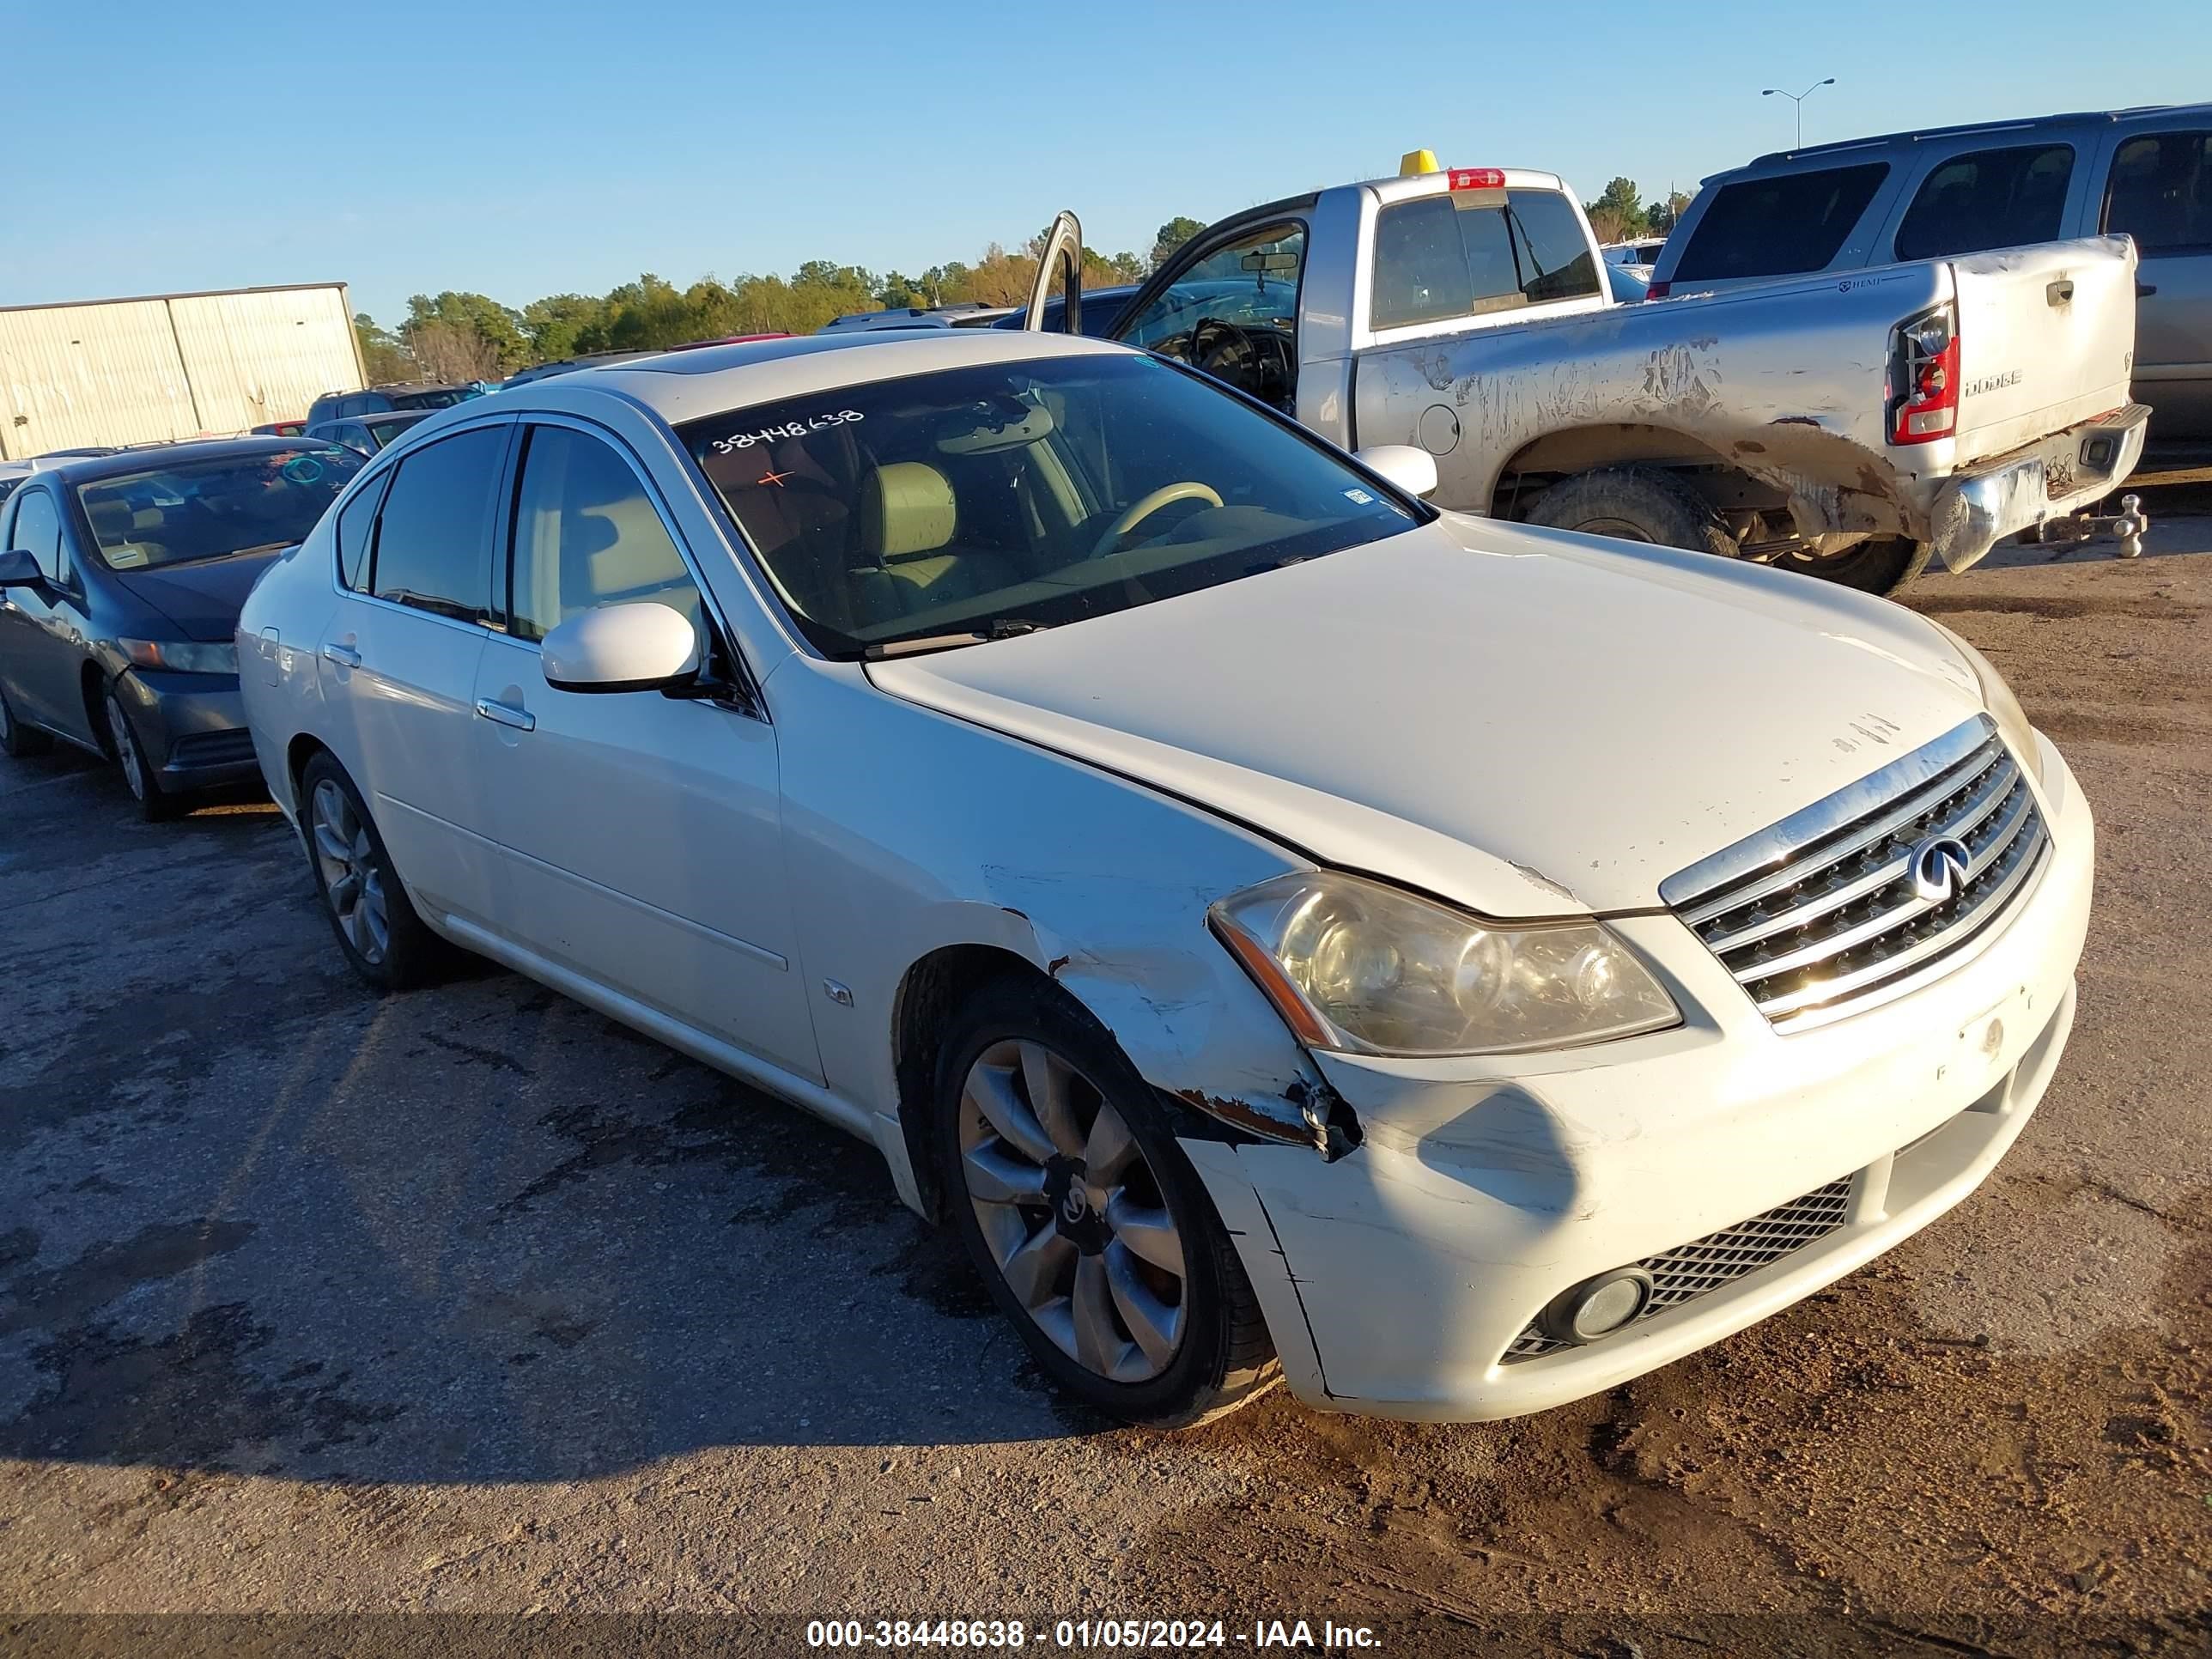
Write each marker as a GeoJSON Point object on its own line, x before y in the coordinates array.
{"type": "Point", "coordinates": [2146, 172]}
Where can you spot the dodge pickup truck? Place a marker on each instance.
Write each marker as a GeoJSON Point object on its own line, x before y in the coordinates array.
{"type": "Point", "coordinates": [1853, 428]}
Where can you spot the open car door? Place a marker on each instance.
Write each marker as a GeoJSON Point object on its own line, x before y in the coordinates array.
{"type": "Point", "coordinates": [1063, 248]}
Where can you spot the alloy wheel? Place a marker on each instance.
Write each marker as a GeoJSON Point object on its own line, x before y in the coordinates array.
{"type": "Point", "coordinates": [1071, 1212]}
{"type": "Point", "coordinates": [126, 750]}
{"type": "Point", "coordinates": [352, 878]}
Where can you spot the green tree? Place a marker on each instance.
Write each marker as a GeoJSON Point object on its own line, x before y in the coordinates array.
{"type": "Point", "coordinates": [1661, 217]}
{"type": "Point", "coordinates": [1618, 214]}
{"type": "Point", "coordinates": [456, 316]}
{"type": "Point", "coordinates": [1172, 235]}
{"type": "Point", "coordinates": [554, 325]}
{"type": "Point", "coordinates": [384, 360]}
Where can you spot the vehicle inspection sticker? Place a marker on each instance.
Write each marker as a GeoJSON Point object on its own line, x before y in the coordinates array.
{"type": "Point", "coordinates": [742, 441]}
{"type": "Point", "coordinates": [1359, 498]}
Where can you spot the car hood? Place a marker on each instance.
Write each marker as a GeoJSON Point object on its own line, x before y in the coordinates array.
{"type": "Point", "coordinates": [1528, 722]}
{"type": "Point", "coordinates": [202, 598]}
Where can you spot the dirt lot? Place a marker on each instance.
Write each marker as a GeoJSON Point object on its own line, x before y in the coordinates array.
{"type": "Point", "coordinates": [470, 1300]}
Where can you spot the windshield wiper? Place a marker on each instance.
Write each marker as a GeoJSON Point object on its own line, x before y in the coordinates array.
{"type": "Point", "coordinates": [1002, 628]}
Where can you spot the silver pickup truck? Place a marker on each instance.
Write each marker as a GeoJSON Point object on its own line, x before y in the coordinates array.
{"type": "Point", "coordinates": [1853, 428]}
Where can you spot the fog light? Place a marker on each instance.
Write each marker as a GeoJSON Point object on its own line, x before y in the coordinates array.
{"type": "Point", "coordinates": [1598, 1307]}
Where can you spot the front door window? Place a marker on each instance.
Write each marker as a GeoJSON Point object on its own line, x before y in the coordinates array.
{"type": "Point", "coordinates": [1233, 311]}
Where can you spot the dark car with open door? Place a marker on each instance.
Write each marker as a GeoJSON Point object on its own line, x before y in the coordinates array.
{"type": "Point", "coordinates": [120, 583]}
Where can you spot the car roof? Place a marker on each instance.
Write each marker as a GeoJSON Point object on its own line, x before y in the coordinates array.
{"type": "Point", "coordinates": [1844, 147]}
{"type": "Point", "coordinates": [152, 457]}
{"type": "Point", "coordinates": [685, 385]}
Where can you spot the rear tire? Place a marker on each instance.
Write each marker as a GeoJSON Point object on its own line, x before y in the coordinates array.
{"type": "Point", "coordinates": [1636, 504]}
{"type": "Point", "coordinates": [16, 739]}
{"type": "Point", "coordinates": [156, 804]}
{"type": "Point", "coordinates": [1878, 565]}
{"type": "Point", "coordinates": [389, 945]}
{"type": "Point", "coordinates": [1132, 1299]}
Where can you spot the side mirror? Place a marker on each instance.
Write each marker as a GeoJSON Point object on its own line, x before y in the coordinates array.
{"type": "Point", "coordinates": [640, 647]}
{"type": "Point", "coordinates": [1413, 471]}
{"type": "Point", "coordinates": [19, 569]}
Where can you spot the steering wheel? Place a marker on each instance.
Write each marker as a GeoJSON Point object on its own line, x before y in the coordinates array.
{"type": "Point", "coordinates": [1229, 359]}
{"type": "Point", "coordinates": [1137, 512]}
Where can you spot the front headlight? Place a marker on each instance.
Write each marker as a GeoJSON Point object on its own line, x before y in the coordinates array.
{"type": "Point", "coordinates": [181, 656]}
{"type": "Point", "coordinates": [2013, 725]}
{"type": "Point", "coordinates": [1355, 965]}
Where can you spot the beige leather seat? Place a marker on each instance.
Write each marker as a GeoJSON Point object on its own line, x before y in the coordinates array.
{"type": "Point", "coordinates": [908, 517]}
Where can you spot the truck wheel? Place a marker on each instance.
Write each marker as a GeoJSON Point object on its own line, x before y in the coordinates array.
{"type": "Point", "coordinates": [1875, 566]}
{"type": "Point", "coordinates": [1635, 504]}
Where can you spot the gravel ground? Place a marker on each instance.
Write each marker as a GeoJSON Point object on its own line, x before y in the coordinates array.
{"type": "Point", "coordinates": [470, 1301]}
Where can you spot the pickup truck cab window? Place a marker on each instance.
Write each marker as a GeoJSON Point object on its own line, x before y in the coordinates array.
{"type": "Point", "coordinates": [1988, 198]}
{"type": "Point", "coordinates": [1779, 226]}
{"type": "Point", "coordinates": [1436, 259]}
{"type": "Point", "coordinates": [1233, 311]}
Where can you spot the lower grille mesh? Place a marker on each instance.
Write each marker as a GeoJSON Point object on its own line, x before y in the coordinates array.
{"type": "Point", "coordinates": [1689, 1271]}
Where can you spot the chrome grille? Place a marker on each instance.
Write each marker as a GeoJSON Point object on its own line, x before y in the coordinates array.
{"type": "Point", "coordinates": [1819, 916]}
{"type": "Point", "coordinates": [1688, 1270]}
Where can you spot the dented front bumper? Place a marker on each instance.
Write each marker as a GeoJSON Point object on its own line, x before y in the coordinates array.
{"type": "Point", "coordinates": [1396, 1279]}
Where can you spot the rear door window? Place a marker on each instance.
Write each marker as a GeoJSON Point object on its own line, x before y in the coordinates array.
{"type": "Point", "coordinates": [2160, 192]}
{"type": "Point", "coordinates": [434, 535]}
{"type": "Point", "coordinates": [1989, 199]}
{"type": "Point", "coordinates": [1778, 227]}
{"type": "Point", "coordinates": [1435, 260]}
{"type": "Point", "coordinates": [357, 520]}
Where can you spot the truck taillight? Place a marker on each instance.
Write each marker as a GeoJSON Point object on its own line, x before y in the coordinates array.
{"type": "Point", "coordinates": [1923, 377]}
{"type": "Point", "coordinates": [1478, 178]}
{"type": "Point", "coordinates": [1660, 290]}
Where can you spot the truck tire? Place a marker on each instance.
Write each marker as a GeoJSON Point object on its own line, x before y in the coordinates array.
{"type": "Point", "coordinates": [1636, 504]}
{"type": "Point", "coordinates": [1875, 566]}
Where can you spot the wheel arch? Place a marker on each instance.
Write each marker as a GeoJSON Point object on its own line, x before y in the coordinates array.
{"type": "Point", "coordinates": [1570, 450]}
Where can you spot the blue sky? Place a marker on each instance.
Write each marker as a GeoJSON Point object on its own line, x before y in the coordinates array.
{"type": "Point", "coordinates": [522, 149]}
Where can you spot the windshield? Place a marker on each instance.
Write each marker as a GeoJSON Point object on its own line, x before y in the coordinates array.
{"type": "Point", "coordinates": [189, 510]}
{"type": "Point", "coordinates": [1005, 496]}
{"type": "Point", "coordinates": [444, 397]}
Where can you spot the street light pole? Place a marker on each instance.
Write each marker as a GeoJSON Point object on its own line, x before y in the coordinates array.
{"type": "Point", "coordinates": [1798, 99]}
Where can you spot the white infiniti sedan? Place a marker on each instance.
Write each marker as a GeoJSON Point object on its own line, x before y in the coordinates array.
{"type": "Point", "coordinates": [1287, 930]}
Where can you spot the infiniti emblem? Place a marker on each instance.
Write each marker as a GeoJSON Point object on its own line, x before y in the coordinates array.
{"type": "Point", "coordinates": [1939, 868]}
{"type": "Point", "coordinates": [1077, 1201]}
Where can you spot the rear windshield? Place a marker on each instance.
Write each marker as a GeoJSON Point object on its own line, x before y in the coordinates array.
{"type": "Point", "coordinates": [1003, 497]}
{"type": "Point", "coordinates": [1778, 227]}
{"type": "Point", "coordinates": [189, 511]}
{"type": "Point", "coordinates": [1991, 198]}
{"type": "Point", "coordinates": [445, 398]}
{"type": "Point", "coordinates": [1436, 258]}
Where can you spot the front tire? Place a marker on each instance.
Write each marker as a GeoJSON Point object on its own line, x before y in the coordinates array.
{"type": "Point", "coordinates": [388, 945]}
{"type": "Point", "coordinates": [156, 804]}
{"type": "Point", "coordinates": [1088, 1224]}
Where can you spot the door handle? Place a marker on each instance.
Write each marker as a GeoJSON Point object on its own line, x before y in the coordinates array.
{"type": "Point", "coordinates": [343, 655]}
{"type": "Point", "coordinates": [506, 713]}
{"type": "Point", "coordinates": [2144, 290]}
{"type": "Point", "coordinates": [2060, 292]}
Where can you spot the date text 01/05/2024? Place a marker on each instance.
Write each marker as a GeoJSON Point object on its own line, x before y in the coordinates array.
{"type": "Point", "coordinates": [1107, 1634]}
